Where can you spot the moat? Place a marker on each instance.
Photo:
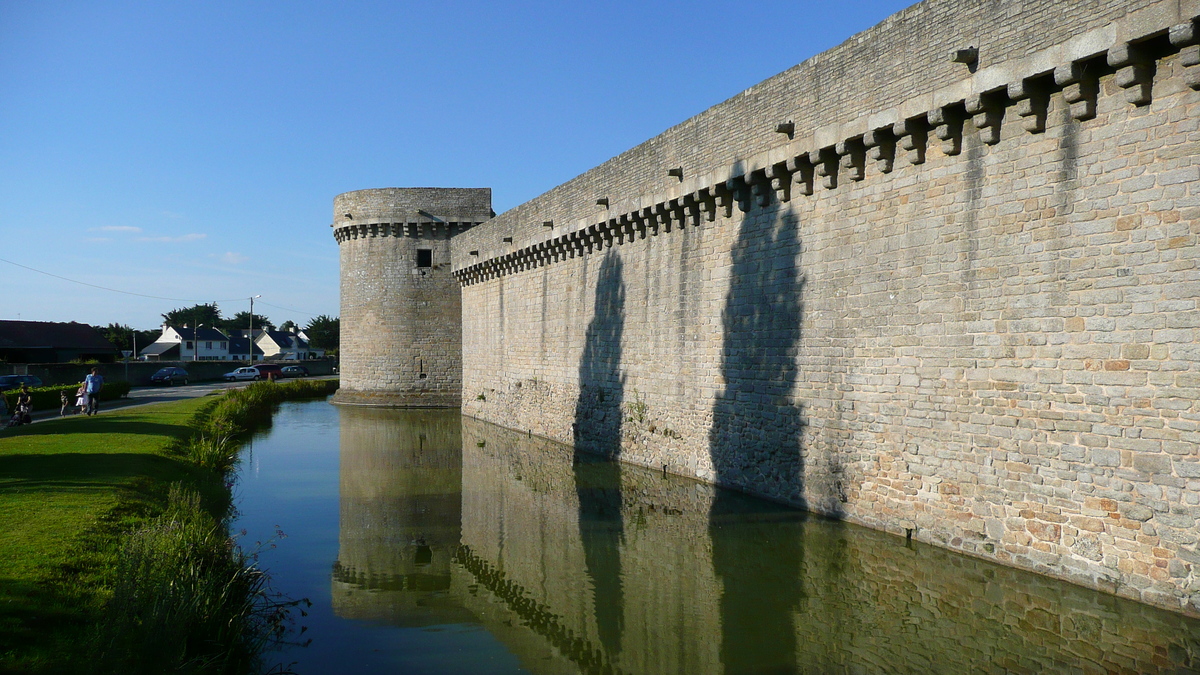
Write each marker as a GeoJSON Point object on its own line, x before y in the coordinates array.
{"type": "Point", "coordinates": [433, 543]}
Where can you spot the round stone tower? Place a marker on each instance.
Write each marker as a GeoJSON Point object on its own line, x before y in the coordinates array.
{"type": "Point", "coordinates": [401, 315]}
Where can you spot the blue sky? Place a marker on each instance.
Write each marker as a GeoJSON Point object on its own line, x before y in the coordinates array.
{"type": "Point", "coordinates": [191, 151]}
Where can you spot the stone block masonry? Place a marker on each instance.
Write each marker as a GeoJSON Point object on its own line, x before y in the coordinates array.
{"type": "Point", "coordinates": [401, 308]}
{"type": "Point", "coordinates": [951, 301]}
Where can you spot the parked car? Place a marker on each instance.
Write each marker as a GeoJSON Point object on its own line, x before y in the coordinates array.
{"type": "Point", "coordinates": [294, 371]}
{"type": "Point", "coordinates": [169, 376]}
{"type": "Point", "coordinates": [262, 371]}
{"type": "Point", "coordinates": [267, 370]}
{"type": "Point", "coordinates": [13, 381]}
{"type": "Point", "coordinates": [243, 373]}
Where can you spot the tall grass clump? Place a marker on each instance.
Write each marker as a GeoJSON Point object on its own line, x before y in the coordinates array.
{"type": "Point", "coordinates": [187, 599]}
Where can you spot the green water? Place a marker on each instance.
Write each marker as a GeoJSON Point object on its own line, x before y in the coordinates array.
{"type": "Point", "coordinates": [432, 543]}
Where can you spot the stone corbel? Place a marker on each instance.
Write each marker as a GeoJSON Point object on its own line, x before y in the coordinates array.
{"type": "Point", "coordinates": [662, 213]}
{"type": "Point", "coordinates": [741, 192]}
{"type": "Point", "coordinates": [779, 179]}
{"type": "Point", "coordinates": [1079, 87]}
{"type": "Point", "coordinates": [825, 165]}
{"type": "Point", "coordinates": [605, 229]}
{"type": "Point", "coordinates": [1135, 72]}
{"type": "Point", "coordinates": [947, 126]}
{"type": "Point", "coordinates": [759, 188]}
{"type": "Point", "coordinates": [881, 148]}
{"type": "Point", "coordinates": [1032, 96]}
{"type": "Point", "coordinates": [1184, 36]}
{"type": "Point", "coordinates": [911, 137]}
{"type": "Point", "coordinates": [724, 198]}
{"type": "Point", "coordinates": [707, 201]}
{"type": "Point", "coordinates": [639, 222]}
{"type": "Point", "coordinates": [678, 215]}
{"type": "Point", "coordinates": [852, 157]}
{"type": "Point", "coordinates": [649, 222]}
{"type": "Point", "coordinates": [690, 206]}
{"type": "Point", "coordinates": [622, 228]}
{"type": "Point", "coordinates": [987, 113]}
{"type": "Point", "coordinates": [802, 174]}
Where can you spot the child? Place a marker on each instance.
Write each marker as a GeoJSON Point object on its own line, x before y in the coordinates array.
{"type": "Point", "coordinates": [66, 403]}
{"type": "Point", "coordinates": [81, 401]}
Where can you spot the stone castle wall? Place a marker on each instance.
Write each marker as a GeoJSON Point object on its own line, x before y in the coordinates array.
{"type": "Point", "coordinates": [951, 304]}
{"type": "Point", "coordinates": [400, 322]}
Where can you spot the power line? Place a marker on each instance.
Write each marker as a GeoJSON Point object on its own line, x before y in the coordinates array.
{"type": "Point", "coordinates": [286, 309]}
{"type": "Point", "coordinates": [105, 288]}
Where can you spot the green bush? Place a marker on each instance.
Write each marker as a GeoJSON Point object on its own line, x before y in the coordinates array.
{"type": "Point", "coordinates": [46, 398]}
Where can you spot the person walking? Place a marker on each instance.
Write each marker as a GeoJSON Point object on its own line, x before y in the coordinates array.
{"type": "Point", "coordinates": [65, 399]}
{"type": "Point", "coordinates": [81, 400]}
{"type": "Point", "coordinates": [24, 405]}
{"type": "Point", "coordinates": [93, 384]}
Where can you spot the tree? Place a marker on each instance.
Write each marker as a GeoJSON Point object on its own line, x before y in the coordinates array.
{"type": "Point", "coordinates": [324, 332]}
{"type": "Point", "coordinates": [122, 336]}
{"type": "Point", "coordinates": [287, 325]}
{"type": "Point", "coordinates": [241, 321]}
{"type": "Point", "coordinates": [206, 314]}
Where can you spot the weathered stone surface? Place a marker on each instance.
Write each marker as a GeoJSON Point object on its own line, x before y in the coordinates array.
{"type": "Point", "coordinates": [991, 347]}
{"type": "Point", "coordinates": [401, 323]}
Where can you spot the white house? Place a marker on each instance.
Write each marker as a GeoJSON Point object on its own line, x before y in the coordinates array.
{"type": "Point", "coordinates": [291, 345]}
{"type": "Point", "coordinates": [240, 347]}
{"type": "Point", "coordinates": [188, 344]}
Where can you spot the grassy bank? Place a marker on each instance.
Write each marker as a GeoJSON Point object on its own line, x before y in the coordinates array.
{"type": "Point", "coordinates": [114, 553]}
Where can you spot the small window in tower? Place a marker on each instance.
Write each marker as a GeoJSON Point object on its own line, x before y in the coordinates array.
{"type": "Point", "coordinates": [424, 556]}
{"type": "Point", "coordinates": [424, 257]}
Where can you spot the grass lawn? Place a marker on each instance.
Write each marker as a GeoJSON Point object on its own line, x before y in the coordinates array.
{"type": "Point", "coordinates": [68, 488]}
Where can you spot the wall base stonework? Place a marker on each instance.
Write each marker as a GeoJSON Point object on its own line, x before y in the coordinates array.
{"type": "Point", "coordinates": [409, 399]}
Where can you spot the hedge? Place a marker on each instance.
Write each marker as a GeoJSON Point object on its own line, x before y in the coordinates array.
{"type": "Point", "coordinates": [46, 398]}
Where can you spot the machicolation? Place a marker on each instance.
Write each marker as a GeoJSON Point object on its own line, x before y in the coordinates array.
{"type": "Point", "coordinates": [941, 280]}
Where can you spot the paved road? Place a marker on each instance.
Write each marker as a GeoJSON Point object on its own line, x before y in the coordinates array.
{"type": "Point", "coordinates": [147, 395]}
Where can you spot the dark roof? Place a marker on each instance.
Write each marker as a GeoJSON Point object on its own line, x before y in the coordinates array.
{"type": "Point", "coordinates": [204, 333]}
{"type": "Point", "coordinates": [237, 345]}
{"type": "Point", "coordinates": [160, 349]}
{"type": "Point", "coordinates": [285, 339]}
{"type": "Point", "coordinates": [47, 334]}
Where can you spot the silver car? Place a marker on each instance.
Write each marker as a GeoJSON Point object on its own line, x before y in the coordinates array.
{"type": "Point", "coordinates": [243, 373]}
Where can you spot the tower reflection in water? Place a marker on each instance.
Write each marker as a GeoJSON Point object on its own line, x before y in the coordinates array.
{"type": "Point", "coordinates": [473, 524]}
{"type": "Point", "coordinates": [400, 516]}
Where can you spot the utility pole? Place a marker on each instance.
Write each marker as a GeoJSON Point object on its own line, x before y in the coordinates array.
{"type": "Point", "coordinates": [250, 336]}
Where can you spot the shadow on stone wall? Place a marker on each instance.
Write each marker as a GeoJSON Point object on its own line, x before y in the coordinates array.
{"type": "Point", "coordinates": [597, 431]}
{"type": "Point", "coordinates": [756, 430]}
{"type": "Point", "coordinates": [755, 443]}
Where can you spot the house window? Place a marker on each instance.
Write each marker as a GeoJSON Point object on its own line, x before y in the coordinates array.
{"type": "Point", "coordinates": [189, 345]}
{"type": "Point", "coordinates": [424, 257]}
{"type": "Point", "coordinates": [208, 345]}
{"type": "Point", "coordinates": [222, 345]}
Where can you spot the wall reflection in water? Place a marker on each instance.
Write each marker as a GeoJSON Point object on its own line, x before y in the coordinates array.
{"type": "Point", "coordinates": [400, 485]}
{"type": "Point", "coordinates": [580, 568]}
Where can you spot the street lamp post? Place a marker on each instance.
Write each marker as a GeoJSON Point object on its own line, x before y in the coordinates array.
{"type": "Point", "coordinates": [250, 336]}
